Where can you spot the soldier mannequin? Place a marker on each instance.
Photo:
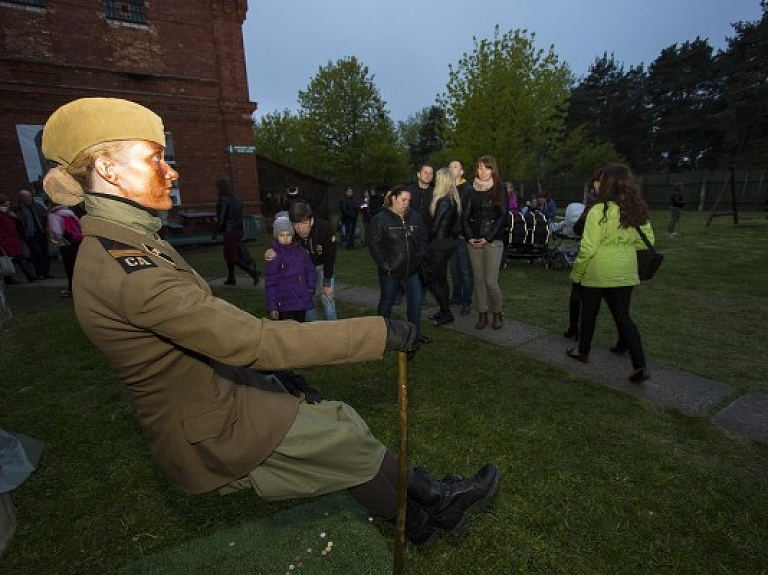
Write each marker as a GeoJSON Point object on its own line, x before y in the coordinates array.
{"type": "Point", "coordinates": [191, 360]}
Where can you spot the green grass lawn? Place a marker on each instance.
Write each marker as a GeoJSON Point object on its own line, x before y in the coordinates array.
{"type": "Point", "coordinates": [595, 481]}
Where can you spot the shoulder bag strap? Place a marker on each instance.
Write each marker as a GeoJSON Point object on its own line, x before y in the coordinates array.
{"type": "Point", "coordinates": [645, 238]}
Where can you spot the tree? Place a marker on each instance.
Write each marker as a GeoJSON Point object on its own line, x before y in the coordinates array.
{"type": "Point", "coordinates": [610, 106]}
{"type": "Point", "coordinates": [745, 91]}
{"type": "Point", "coordinates": [346, 126]}
{"type": "Point", "coordinates": [578, 154]}
{"type": "Point", "coordinates": [682, 95]}
{"type": "Point", "coordinates": [422, 135]}
{"type": "Point", "coordinates": [275, 136]}
{"type": "Point", "coordinates": [507, 99]}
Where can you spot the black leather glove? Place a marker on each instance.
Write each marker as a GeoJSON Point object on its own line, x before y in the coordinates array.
{"type": "Point", "coordinates": [402, 336]}
{"type": "Point", "coordinates": [295, 384]}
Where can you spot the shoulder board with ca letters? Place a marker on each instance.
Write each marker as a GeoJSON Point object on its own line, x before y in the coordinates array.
{"type": "Point", "coordinates": [130, 258]}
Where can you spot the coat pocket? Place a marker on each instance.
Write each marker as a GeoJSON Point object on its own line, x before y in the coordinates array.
{"type": "Point", "coordinates": [210, 424]}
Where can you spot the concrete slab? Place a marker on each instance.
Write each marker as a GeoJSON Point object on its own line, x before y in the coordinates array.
{"type": "Point", "coordinates": [746, 416]}
{"type": "Point", "coordinates": [512, 333]}
{"type": "Point", "coordinates": [668, 387]}
{"type": "Point", "coordinates": [358, 295]}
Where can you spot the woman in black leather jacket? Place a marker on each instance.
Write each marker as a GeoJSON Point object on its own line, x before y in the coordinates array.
{"type": "Point", "coordinates": [444, 209]}
{"type": "Point", "coordinates": [482, 223]}
{"type": "Point", "coordinates": [398, 245]}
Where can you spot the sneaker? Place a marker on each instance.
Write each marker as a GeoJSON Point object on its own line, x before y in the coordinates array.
{"type": "Point", "coordinates": [230, 283]}
{"type": "Point", "coordinates": [65, 293]}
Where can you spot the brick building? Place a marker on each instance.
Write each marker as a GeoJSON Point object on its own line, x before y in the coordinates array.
{"type": "Point", "coordinates": [182, 59]}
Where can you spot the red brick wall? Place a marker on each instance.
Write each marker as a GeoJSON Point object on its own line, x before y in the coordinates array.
{"type": "Point", "coordinates": [187, 64]}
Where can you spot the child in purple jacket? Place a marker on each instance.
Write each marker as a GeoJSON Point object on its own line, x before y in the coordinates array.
{"type": "Point", "coordinates": [289, 279]}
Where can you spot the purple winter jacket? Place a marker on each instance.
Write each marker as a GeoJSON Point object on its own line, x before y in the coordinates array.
{"type": "Point", "coordinates": [289, 279]}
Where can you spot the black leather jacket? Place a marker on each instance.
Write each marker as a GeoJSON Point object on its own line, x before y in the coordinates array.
{"type": "Point", "coordinates": [398, 245]}
{"type": "Point", "coordinates": [444, 219]}
{"type": "Point", "coordinates": [229, 214]}
{"type": "Point", "coordinates": [481, 218]}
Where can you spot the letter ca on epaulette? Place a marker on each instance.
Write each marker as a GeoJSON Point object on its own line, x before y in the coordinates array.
{"type": "Point", "coordinates": [130, 258]}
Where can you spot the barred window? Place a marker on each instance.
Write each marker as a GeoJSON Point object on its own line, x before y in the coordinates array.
{"type": "Point", "coordinates": [33, 3]}
{"type": "Point", "coordinates": [132, 11]}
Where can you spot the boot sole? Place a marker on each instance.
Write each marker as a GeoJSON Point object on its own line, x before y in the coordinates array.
{"type": "Point", "coordinates": [427, 545]}
{"type": "Point", "coordinates": [460, 529]}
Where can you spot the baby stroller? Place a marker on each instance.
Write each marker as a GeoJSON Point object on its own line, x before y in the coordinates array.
{"type": "Point", "coordinates": [566, 239]}
{"type": "Point", "coordinates": [563, 253]}
{"type": "Point", "coordinates": [528, 236]}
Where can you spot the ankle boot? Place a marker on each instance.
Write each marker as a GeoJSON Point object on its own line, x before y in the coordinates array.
{"type": "Point", "coordinates": [497, 320]}
{"type": "Point", "coordinates": [420, 529]}
{"type": "Point", "coordinates": [450, 503]}
{"type": "Point", "coordinates": [482, 320]}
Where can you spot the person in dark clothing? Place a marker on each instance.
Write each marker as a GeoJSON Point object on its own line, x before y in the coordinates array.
{"type": "Point", "coordinates": [676, 205]}
{"type": "Point", "coordinates": [33, 222]}
{"type": "Point", "coordinates": [376, 201]}
{"type": "Point", "coordinates": [398, 245]}
{"type": "Point", "coordinates": [292, 196]}
{"type": "Point", "coordinates": [421, 193]}
{"type": "Point", "coordinates": [461, 269]}
{"type": "Point", "coordinates": [319, 240]}
{"type": "Point", "coordinates": [229, 221]}
{"type": "Point", "coordinates": [349, 209]}
{"type": "Point", "coordinates": [445, 210]}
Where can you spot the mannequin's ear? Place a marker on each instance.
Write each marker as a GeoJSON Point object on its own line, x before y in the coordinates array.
{"type": "Point", "coordinates": [106, 169]}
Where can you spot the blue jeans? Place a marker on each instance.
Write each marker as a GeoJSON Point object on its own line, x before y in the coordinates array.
{"type": "Point", "coordinates": [329, 305]}
{"type": "Point", "coordinates": [461, 274]}
{"type": "Point", "coordinates": [413, 294]}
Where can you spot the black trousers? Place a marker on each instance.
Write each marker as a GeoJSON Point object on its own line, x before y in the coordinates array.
{"type": "Point", "coordinates": [68, 258]}
{"type": "Point", "coordinates": [438, 261]}
{"type": "Point", "coordinates": [38, 253]}
{"type": "Point", "coordinates": [618, 300]}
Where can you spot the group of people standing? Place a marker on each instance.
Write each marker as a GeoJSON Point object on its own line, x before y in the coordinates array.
{"type": "Point", "coordinates": [426, 227]}
{"type": "Point", "coordinates": [29, 223]}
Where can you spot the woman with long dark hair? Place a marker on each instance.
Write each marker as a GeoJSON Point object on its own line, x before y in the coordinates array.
{"type": "Point", "coordinates": [606, 265]}
{"type": "Point", "coordinates": [482, 223]}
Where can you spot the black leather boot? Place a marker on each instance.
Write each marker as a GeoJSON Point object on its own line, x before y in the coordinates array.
{"type": "Point", "coordinates": [230, 281]}
{"type": "Point", "coordinates": [450, 503]}
{"type": "Point", "coordinates": [420, 529]}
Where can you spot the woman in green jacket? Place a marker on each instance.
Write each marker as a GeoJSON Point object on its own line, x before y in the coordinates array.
{"type": "Point", "coordinates": [606, 265]}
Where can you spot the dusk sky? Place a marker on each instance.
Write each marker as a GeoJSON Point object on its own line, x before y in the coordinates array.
{"type": "Point", "coordinates": [408, 45]}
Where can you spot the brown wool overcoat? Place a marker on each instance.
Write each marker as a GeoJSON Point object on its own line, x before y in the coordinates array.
{"type": "Point", "coordinates": [157, 323]}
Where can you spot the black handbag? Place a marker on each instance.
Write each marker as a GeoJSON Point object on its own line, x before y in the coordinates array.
{"type": "Point", "coordinates": [648, 260]}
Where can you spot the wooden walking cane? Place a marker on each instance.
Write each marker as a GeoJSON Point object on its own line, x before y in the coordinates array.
{"type": "Point", "coordinates": [402, 460]}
